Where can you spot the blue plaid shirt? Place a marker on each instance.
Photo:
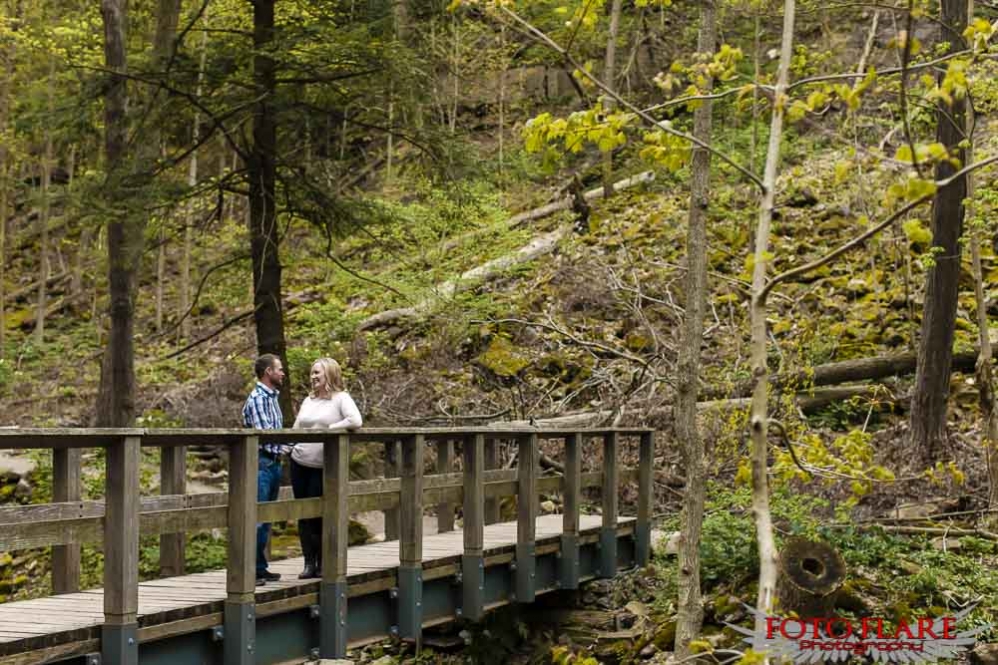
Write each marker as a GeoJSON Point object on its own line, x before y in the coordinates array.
{"type": "Point", "coordinates": [262, 411]}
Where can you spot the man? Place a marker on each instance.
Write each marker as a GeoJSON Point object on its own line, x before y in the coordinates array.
{"type": "Point", "coordinates": [262, 411]}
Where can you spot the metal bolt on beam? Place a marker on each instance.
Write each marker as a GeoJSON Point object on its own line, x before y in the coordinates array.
{"type": "Point", "coordinates": [314, 653]}
{"type": "Point", "coordinates": [393, 631]}
{"type": "Point", "coordinates": [93, 659]}
{"type": "Point", "coordinates": [512, 565]}
{"type": "Point", "coordinates": [314, 611]}
{"type": "Point", "coordinates": [458, 579]}
{"type": "Point", "coordinates": [393, 593]}
{"type": "Point", "coordinates": [458, 612]}
{"type": "Point", "coordinates": [217, 634]}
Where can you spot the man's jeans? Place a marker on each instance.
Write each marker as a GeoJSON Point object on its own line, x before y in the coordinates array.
{"type": "Point", "coordinates": [268, 484]}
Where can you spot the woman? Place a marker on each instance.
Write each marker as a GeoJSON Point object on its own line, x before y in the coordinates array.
{"type": "Point", "coordinates": [328, 405]}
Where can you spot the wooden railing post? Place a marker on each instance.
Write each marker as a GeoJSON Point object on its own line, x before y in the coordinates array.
{"type": "Point", "coordinates": [66, 487]}
{"type": "Point", "coordinates": [569, 562]}
{"type": "Point", "coordinates": [608, 534]}
{"type": "Point", "coordinates": [445, 464]}
{"type": "Point", "coordinates": [240, 582]}
{"type": "Point", "coordinates": [492, 462]}
{"type": "Point", "coordinates": [119, 634]}
{"type": "Point", "coordinates": [392, 456]}
{"type": "Point", "coordinates": [335, 539]}
{"type": "Point", "coordinates": [646, 496]}
{"type": "Point", "coordinates": [410, 574]}
{"type": "Point", "coordinates": [526, 519]}
{"type": "Point", "coordinates": [172, 480]}
{"type": "Point", "coordinates": [473, 560]}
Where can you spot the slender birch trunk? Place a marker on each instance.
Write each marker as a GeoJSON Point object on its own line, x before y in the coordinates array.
{"type": "Point", "coordinates": [609, 74]}
{"type": "Point", "coordinates": [759, 422]}
{"type": "Point", "coordinates": [985, 377]}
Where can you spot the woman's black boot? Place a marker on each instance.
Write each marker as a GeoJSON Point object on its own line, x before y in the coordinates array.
{"type": "Point", "coordinates": [311, 570]}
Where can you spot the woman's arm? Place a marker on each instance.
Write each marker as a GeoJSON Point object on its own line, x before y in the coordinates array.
{"type": "Point", "coordinates": [351, 414]}
{"type": "Point", "coordinates": [300, 409]}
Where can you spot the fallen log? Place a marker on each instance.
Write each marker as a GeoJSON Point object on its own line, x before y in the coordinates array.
{"type": "Point", "coordinates": [31, 290]}
{"type": "Point", "coordinates": [846, 371]}
{"type": "Point", "coordinates": [566, 202]}
{"type": "Point", "coordinates": [539, 246]}
{"type": "Point", "coordinates": [808, 402]}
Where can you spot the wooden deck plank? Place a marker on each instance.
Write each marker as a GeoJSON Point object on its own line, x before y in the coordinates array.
{"type": "Point", "coordinates": [58, 617]}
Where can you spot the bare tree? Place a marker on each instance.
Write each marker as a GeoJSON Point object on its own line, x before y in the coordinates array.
{"type": "Point", "coordinates": [690, 605]}
{"type": "Point", "coordinates": [759, 416]}
{"type": "Point", "coordinates": [5, 79]}
{"type": "Point", "coordinates": [44, 217]}
{"type": "Point", "coordinates": [609, 74]}
{"type": "Point", "coordinates": [192, 181]}
{"type": "Point", "coordinates": [927, 420]}
{"type": "Point", "coordinates": [985, 374]}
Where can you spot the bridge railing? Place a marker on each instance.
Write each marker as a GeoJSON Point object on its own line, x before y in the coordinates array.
{"type": "Point", "coordinates": [124, 515]}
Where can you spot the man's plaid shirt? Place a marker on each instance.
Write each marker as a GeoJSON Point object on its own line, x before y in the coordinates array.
{"type": "Point", "coordinates": [262, 411]}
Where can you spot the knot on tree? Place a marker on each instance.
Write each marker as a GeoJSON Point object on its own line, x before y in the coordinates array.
{"type": "Point", "coordinates": [758, 424]}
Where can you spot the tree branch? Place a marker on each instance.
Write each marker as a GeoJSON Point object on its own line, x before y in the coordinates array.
{"type": "Point", "coordinates": [547, 41]}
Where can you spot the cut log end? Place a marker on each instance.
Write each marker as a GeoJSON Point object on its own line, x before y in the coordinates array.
{"type": "Point", "coordinates": [811, 574]}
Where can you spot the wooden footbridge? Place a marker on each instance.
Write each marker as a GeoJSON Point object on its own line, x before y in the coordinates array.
{"type": "Point", "coordinates": [367, 593]}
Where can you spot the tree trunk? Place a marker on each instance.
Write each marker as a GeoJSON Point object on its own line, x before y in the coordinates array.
{"type": "Point", "coordinates": [455, 70]}
{"type": "Point", "coordinates": [929, 399]}
{"type": "Point", "coordinates": [43, 218]}
{"type": "Point", "coordinates": [167, 17]}
{"type": "Point", "coordinates": [160, 278]}
{"type": "Point", "coordinates": [503, 69]}
{"type": "Point", "coordinates": [609, 73]}
{"type": "Point", "coordinates": [985, 378]}
{"type": "Point", "coordinates": [262, 172]}
{"type": "Point", "coordinates": [759, 421]}
{"type": "Point", "coordinates": [76, 280]}
{"type": "Point", "coordinates": [690, 605]}
{"type": "Point", "coordinates": [116, 399]}
{"type": "Point", "coordinates": [192, 181]}
{"type": "Point", "coordinates": [8, 71]}
{"type": "Point", "coordinates": [126, 229]}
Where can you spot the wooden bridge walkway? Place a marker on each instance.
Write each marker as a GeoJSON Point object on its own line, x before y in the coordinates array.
{"type": "Point", "coordinates": [368, 592]}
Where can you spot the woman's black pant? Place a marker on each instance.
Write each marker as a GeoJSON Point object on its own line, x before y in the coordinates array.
{"type": "Point", "coordinates": [306, 483]}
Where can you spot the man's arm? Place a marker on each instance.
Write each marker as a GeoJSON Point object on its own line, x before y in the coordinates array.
{"type": "Point", "coordinates": [252, 414]}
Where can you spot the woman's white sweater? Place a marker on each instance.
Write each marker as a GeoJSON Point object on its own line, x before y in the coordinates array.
{"type": "Point", "coordinates": [337, 412]}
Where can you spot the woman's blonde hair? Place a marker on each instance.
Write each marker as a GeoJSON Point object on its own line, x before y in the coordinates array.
{"type": "Point", "coordinates": [334, 376]}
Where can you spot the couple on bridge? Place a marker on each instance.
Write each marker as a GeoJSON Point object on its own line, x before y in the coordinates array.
{"type": "Point", "coordinates": [328, 405]}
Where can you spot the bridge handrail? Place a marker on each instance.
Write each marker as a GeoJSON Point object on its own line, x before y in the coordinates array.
{"type": "Point", "coordinates": [124, 514]}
